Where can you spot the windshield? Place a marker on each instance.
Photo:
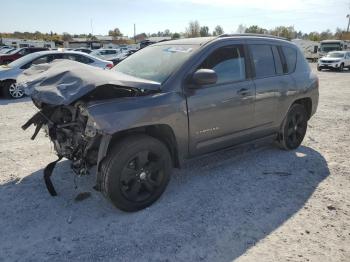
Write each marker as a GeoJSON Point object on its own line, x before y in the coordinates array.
{"type": "Point", "coordinates": [330, 47]}
{"type": "Point", "coordinates": [24, 60]}
{"type": "Point", "coordinates": [336, 54]}
{"type": "Point", "coordinates": [156, 63]}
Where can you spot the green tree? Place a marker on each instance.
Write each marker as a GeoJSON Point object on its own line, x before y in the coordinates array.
{"type": "Point", "coordinates": [175, 36]}
{"type": "Point", "coordinates": [204, 31]}
{"type": "Point", "coordinates": [254, 29]}
{"type": "Point", "coordinates": [218, 30]}
{"type": "Point", "coordinates": [115, 32]}
{"type": "Point", "coordinates": [284, 31]}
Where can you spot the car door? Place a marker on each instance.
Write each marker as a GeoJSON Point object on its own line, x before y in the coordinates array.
{"type": "Point", "coordinates": [270, 84]}
{"type": "Point", "coordinates": [220, 113]}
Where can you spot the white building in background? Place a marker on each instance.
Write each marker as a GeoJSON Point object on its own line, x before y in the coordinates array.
{"type": "Point", "coordinates": [19, 43]}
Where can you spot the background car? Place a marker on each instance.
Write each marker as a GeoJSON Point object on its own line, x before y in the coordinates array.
{"type": "Point", "coordinates": [334, 60]}
{"type": "Point", "coordinates": [10, 72]}
{"type": "Point", "coordinates": [5, 48]}
{"type": "Point", "coordinates": [105, 54]}
{"type": "Point", "coordinates": [84, 50]}
{"type": "Point", "coordinates": [8, 58]}
{"type": "Point", "coordinates": [120, 57]}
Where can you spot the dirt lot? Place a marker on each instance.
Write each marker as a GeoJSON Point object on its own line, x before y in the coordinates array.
{"type": "Point", "coordinates": [254, 203]}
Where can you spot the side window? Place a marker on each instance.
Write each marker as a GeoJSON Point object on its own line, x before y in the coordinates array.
{"type": "Point", "coordinates": [228, 63]}
{"type": "Point", "coordinates": [70, 57]}
{"type": "Point", "coordinates": [23, 52]}
{"type": "Point", "coordinates": [40, 60]}
{"type": "Point", "coordinates": [290, 55]}
{"type": "Point", "coordinates": [83, 59]}
{"type": "Point", "coordinates": [263, 60]}
{"type": "Point", "coordinates": [278, 61]}
{"type": "Point", "coordinates": [55, 56]}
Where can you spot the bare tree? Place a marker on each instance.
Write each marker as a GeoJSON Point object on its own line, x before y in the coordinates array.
{"type": "Point", "coordinates": [241, 29]}
{"type": "Point", "coordinates": [193, 29]}
{"type": "Point", "coordinates": [66, 37]}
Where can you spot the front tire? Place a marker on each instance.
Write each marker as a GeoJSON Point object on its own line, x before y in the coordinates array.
{"type": "Point", "coordinates": [136, 172]}
{"type": "Point", "coordinates": [341, 67]}
{"type": "Point", "coordinates": [10, 89]}
{"type": "Point", "coordinates": [294, 127]}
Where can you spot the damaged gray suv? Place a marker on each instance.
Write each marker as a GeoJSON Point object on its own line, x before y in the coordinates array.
{"type": "Point", "coordinates": [167, 103]}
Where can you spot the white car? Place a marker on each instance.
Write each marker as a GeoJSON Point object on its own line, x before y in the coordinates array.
{"type": "Point", "coordinates": [334, 60]}
{"type": "Point", "coordinates": [10, 72]}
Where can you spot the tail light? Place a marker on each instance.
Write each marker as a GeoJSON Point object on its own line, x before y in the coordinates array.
{"type": "Point", "coordinates": [109, 66]}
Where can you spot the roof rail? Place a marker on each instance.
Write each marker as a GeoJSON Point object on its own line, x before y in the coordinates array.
{"type": "Point", "coordinates": [257, 35]}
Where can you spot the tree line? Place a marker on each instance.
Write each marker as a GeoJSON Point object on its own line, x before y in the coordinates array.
{"type": "Point", "coordinates": [194, 29]}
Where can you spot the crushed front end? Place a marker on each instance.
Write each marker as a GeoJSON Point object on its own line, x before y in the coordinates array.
{"type": "Point", "coordinates": [63, 91]}
{"type": "Point", "coordinates": [72, 132]}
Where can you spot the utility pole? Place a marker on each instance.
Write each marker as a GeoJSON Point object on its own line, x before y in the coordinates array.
{"type": "Point", "coordinates": [348, 17]}
{"type": "Point", "coordinates": [135, 33]}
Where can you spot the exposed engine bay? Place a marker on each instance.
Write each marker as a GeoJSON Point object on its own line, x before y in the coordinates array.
{"type": "Point", "coordinates": [72, 131]}
{"type": "Point", "coordinates": [63, 92]}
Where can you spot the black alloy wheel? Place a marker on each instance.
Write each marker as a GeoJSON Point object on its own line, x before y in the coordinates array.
{"type": "Point", "coordinates": [294, 127]}
{"type": "Point", "coordinates": [141, 177]}
{"type": "Point", "coordinates": [136, 172]}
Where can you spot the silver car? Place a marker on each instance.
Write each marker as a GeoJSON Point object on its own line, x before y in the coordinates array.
{"type": "Point", "coordinates": [10, 72]}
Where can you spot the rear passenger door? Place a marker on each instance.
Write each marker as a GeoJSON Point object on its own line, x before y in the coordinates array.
{"type": "Point", "coordinates": [270, 83]}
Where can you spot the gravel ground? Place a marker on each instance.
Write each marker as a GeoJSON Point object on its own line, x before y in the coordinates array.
{"type": "Point", "coordinates": [253, 203]}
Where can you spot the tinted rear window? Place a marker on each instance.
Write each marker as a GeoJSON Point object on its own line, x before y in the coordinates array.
{"type": "Point", "coordinates": [290, 55]}
{"type": "Point", "coordinates": [263, 60]}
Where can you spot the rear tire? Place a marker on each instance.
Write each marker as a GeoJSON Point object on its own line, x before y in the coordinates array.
{"type": "Point", "coordinates": [136, 172]}
{"type": "Point", "coordinates": [294, 128]}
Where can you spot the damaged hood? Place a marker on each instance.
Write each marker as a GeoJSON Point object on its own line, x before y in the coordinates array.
{"type": "Point", "coordinates": [64, 81]}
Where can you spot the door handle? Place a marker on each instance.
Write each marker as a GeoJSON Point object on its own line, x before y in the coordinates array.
{"type": "Point", "coordinates": [243, 92]}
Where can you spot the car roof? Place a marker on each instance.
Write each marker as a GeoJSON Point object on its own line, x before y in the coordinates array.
{"type": "Point", "coordinates": [205, 40]}
{"type": "Point", "coordinates": [187, 41]}
{"type": "Point", "coordinates": [51, 52]}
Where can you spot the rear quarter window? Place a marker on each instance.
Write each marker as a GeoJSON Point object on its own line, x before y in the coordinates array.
{"type": "Point", "coordinates": [290, 55]}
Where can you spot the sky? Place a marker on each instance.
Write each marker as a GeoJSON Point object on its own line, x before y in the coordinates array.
{"type": "Point", "coordinates": [99, 16]}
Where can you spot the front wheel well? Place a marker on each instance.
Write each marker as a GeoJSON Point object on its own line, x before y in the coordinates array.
{"type": "Point", "coordinates": [307, 103]}
{"type": "Point", "coordinates": [162, 132]}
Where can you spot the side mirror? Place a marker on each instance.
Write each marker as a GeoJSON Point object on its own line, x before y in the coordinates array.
{"type": "Point", "coordinates": [204, 77]}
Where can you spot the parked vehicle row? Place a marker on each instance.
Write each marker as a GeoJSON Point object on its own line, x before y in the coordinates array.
{"type": "Point", "coordinates": [10, 72]}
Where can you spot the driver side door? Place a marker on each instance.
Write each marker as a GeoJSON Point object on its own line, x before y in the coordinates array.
{"type": "Point", "coordinates": [221, 114]}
